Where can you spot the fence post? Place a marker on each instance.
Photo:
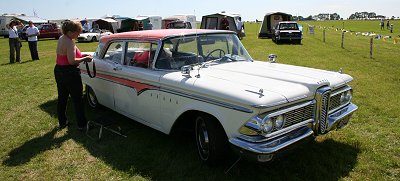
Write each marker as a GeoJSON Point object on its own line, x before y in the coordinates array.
{"type": "Point", "coordinates": [342, 39]}
{"type": "Point", "coordinates": [323, 35]}
{"type": "Point", "coordinates": [371, 42]}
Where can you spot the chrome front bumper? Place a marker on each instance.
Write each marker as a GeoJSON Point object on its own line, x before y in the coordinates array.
{"type": "Point", "coordinates": [265, 150]}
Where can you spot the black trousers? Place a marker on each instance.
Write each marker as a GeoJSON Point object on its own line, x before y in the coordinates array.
{"type": "Point", "coordinates": [15, 48]}
{"type": "Point", "coordinates": [69, 82]}
{"type": "Point", "coordinates": [33, 50]}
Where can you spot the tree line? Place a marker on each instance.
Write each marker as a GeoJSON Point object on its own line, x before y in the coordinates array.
{"type": "Point", "coordinates": [335, 16]}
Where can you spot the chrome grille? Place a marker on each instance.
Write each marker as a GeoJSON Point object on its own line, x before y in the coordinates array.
{"type": "Point", "coordinates": [321, 116]}
{"type": "Point", "coordinates": [324, 112]}
{"type": "Point", "coordinates": [299, 115]}
{"type": "Point", "coordinates": [334, 102]}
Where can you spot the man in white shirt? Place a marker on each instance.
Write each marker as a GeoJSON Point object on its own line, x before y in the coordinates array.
{"type": "Point", "coordinates": [13, 41]}
{"type": "Point", "coordinates": [240, 28]}
{"type": "Point", "coordinates": [32, 32]}
{"type": "Point", "coordinates": [86, 27]}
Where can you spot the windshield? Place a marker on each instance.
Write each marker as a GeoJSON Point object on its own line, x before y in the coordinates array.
{"type": "Point", "coordinates": [200, 49]}
{"type": "Point", "coordinates": [288, 26]}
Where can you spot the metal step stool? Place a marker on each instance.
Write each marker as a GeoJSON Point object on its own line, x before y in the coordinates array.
{"type": "Point", "coordinates": [106, 125]}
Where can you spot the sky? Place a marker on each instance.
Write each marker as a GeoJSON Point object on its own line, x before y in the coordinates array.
{"type": "Point", "coordinates": [250, 10]}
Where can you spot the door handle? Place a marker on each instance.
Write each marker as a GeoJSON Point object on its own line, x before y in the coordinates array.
{"type": "Point", "coordinates": [117, 68]}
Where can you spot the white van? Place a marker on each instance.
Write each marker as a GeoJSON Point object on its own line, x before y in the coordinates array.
{"type": "Point", "coordinates": [5, 19]}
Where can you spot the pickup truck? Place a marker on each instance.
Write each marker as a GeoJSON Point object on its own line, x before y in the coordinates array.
{"type": "Point", "coordinates": [48, 30]}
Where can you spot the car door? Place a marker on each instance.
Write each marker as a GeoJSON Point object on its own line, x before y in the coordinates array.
{"type": "Point", "coordinates": [107, 77]}
{"type": "Point", "coordinates": [137, 96]}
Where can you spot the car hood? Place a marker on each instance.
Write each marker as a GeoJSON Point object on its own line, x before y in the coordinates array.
{"type": "Point", "coordinates": [257, 83]}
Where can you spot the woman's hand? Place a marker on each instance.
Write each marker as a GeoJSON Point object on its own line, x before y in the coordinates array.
{"type": "Point", "coordinates": [87, 58]}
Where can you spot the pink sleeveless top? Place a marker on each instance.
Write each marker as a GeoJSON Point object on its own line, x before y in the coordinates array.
{"type": "Point", "coordinates": [63, 59]}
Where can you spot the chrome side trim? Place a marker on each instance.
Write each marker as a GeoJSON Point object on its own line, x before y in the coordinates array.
{"type": "Point", "coordinates": [187, 95]}
{"type": "Point", "coordinates": [206, 99]}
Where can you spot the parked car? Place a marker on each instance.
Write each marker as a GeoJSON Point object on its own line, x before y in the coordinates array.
{"type": "Point", "coordinates": [206, 81]}
{"type": "Point", "coordinates": [287, 30]}
{"type": "Point", "coordinates": [178, 24]}
{"type": "Point", "coordinates": [48, 30]}
{"type": "Point", "coordinates": [93, 35]}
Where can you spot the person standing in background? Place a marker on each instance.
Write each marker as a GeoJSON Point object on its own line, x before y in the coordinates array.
{"type": "Point", "coordinates": [382, 24]}
{"type": "Point", "coordinates": [13, 41]}
{"type": "Point", "coordinates": [86, 26]}
{"type": "Point", "coordinates": [140, 25]}
{"type": "Point", "coordinates": [224, 23]}
{"type": "Point", "coordinates": [240, 28]}
{"type": "Point", "coordinates": [32, 32]}
{"type": "Point", "coordinates": [388, 24]}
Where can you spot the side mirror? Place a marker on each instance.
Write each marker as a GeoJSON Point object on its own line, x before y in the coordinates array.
{"type": "Point", "coordinates": [185, 70]}
{"type": "Point", "coordinates": [272, 58]}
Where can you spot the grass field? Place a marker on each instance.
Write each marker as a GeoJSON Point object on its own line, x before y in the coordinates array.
{"type": "Point", "coordinates": [31, 148]}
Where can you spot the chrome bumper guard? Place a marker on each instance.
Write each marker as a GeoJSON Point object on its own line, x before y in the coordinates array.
{"type": "Point", "coordinates": [264, 151]}
{"type": "Point", "coordinates": [341, 117]}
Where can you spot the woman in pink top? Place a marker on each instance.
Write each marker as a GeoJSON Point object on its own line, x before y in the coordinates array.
{"type": "Point", "coordinates": [68, 76]}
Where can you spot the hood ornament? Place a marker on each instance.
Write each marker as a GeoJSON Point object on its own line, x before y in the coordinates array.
{"type": "Point", "coordinates": [272, 58]}
{"type": "Point", "coordinates": [340, 71]}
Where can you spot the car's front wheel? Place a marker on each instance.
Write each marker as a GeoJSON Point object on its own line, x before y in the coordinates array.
{"type": "Point", "coordinates": [94, 39]}
{"type": "Point", "coordinates": [211, 140]}
{"type": "Point", "coordinates": [91, 97]}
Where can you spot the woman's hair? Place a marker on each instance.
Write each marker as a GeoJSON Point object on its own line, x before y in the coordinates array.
{"type": "Point", "coordinates": [71, 26]}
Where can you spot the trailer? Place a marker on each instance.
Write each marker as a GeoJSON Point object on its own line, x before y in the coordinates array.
{"type": "Point", "coordinates": [270, 21]}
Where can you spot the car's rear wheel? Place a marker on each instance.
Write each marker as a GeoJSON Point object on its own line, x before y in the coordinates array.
{"type": "Point", "coordinates": [211, 140]}
{"type": "Point", "coordinates": [91, 97]}
{"type": "Point", "coordinates": [94, 39]}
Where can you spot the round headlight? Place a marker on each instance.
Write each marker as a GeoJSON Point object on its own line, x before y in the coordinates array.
{"type": "Point", "coordinates": [348, 96]}
{"type": "Point", "coordinates": [279, 122]}
{"type": "Point", "coordinates": [342, 98]}
{"type": "Point", "coordinates": [267, 125]}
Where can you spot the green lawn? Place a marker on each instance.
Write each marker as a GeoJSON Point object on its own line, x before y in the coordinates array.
{"type": "Point", "coordinates": [367, 149]}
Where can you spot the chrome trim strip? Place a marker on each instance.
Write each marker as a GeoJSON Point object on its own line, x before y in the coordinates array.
{"type": "Point", "coordinates": [206, 99]}
{"type": "Point", "coordinates": [336, 92]}
{"type": "Point", "coordinates": [187, 95]}
{"type": "Point", "coordinates": [340, 107]}
{"type": "Point", "coordinates": [279, 112]}
{"type": "Point", "coordinates": [273, 145]}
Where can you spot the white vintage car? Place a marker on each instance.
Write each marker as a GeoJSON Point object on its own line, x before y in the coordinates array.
{"type": "Point", "coordinates": [93, 35]}
{"type": "Point", "coordinates": [206, 81]}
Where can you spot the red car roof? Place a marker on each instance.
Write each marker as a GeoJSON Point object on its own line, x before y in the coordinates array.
{"type": "Point", "coordinates": [154, 34]}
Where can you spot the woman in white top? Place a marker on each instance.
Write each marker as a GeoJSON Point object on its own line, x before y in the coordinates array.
{"type": "Point", "coordinates": [13, 41]}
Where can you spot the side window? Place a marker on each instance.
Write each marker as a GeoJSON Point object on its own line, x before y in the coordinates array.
{"type": "Point", "coordinates": [140, 54]}
{"type": "Point", "coordinates": [178, 52]}
{"type": "Point", "coordinates": [114, 52]}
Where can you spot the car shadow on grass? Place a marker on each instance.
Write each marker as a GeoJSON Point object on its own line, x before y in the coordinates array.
{"type": "Point", "coordinates": [157, 156]}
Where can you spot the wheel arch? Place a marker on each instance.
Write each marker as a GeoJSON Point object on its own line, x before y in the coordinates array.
{"type": "Point", "coordinates": [186, 121]}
